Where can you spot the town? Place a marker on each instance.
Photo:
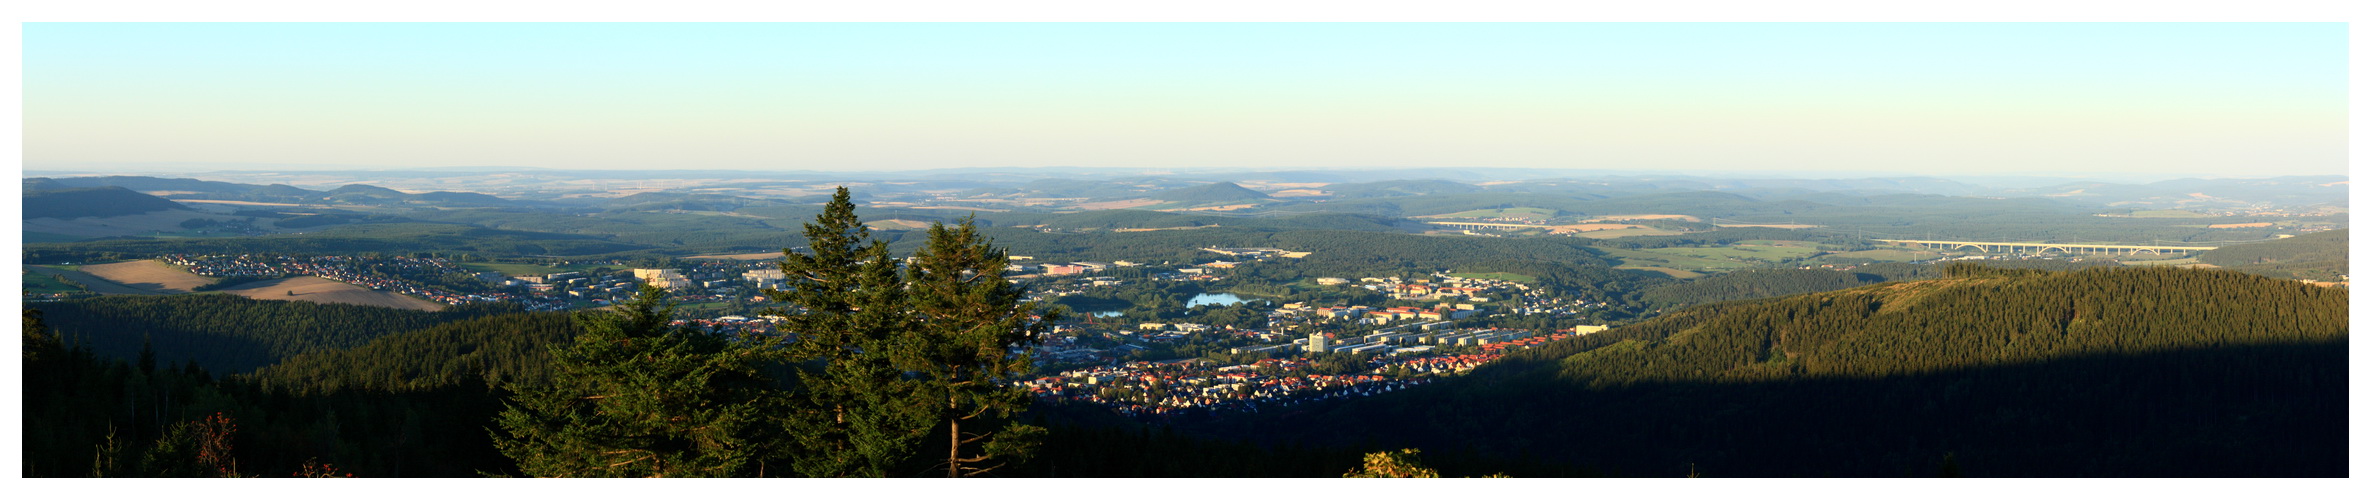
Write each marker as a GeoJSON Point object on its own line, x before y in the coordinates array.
{"type": "Point", "coordinates": [1285, 354]}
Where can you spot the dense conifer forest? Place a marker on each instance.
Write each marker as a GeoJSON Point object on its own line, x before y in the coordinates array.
{"type": "Point", "coordinates": [1983, 372]}
{"type": "Point", "coordinates": [1993, 372]}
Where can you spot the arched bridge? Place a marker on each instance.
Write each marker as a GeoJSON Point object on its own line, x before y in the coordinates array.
{"type": "Point", "coordinates": [1992, 246]}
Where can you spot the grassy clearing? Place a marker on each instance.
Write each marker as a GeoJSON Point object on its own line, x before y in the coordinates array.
{"type": "Point", "coordinates": [1518, 278]}
{"type": "Point", "coordinates": [1653, 259]}
{"type": "Point", "coordinates": [45, 283]}
{"type": "Point", "coordinates": [1887, 255]}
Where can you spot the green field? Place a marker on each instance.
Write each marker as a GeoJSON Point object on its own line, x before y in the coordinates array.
{"type": "Point", "coordinates": [1518, 278]}
{"type": "Point", "coordinates": [1715, 259]}
{"type": "Point", "coordinates": [1886, 255]}
{"type": "Point", "coordinates": [39, 283]}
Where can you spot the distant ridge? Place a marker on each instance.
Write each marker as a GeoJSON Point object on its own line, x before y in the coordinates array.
{"type": "Point", "coordinates": [109, 201]}
{"type": "Point", "coordinates": [1210, 193]}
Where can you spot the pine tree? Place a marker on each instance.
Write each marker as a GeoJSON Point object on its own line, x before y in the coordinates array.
{"type": "Point", "coordinates": [973, 336]}
{"type": "Point", "coordinates": [637, 397]}
{"type": "Point", "coordinates": [857, 416]}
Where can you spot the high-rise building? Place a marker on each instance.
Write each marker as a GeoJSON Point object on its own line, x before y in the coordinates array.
{"type": "Point", "coordinates": [1317, 343]}
{"type": "Point", "coordinates": [663, 278]}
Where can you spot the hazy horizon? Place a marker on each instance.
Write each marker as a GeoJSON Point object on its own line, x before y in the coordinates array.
{"type": "Point", "coordinates": [2124, 100]}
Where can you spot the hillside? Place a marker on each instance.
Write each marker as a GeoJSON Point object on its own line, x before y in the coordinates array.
{"type": "Point", "coordinates": [229, 334]}
{"type": "Point", "coordinates": [1754, 284]}
{"type": "Point", "coordinates": [2134, 372]}
{"type": "Point", "coordinates": [2319, 256]}
{"type": "Point", "coordinates": [110, 201]}
{"type": "Point", "coordinates": [507, 348]}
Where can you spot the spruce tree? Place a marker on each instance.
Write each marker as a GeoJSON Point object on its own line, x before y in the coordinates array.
{"type": "Point", "coordinates": [637, 397]}
{"type": "Point", "coordinates": [972, 337]}
{"type": "Point", "coordinates": [856, 412]}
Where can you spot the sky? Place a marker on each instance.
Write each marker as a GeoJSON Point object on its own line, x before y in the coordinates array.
{"type": "Point", "coordinates": [1932, 98]}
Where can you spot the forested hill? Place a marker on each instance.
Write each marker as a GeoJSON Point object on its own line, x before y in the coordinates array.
{"type": "Point", "coordinates": [71, 203]}
{"type": "Point", "coordinates": [228, 334]}
{"type": "Point", "coordinates": [1210, 193]}
{"type": "Point", "coordinates": [2318, 256]}
{"type": "Point", "coordinates": [2140, 372]}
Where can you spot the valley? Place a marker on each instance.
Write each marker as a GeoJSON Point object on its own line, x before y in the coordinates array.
{"type": "Point", "coordinates": [1351, 313]}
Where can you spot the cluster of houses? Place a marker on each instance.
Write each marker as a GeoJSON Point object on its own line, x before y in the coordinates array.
{"type": "Point", "coordinates": [1441, 287]}
{"type": "Point", "coordinates": [388, 274]}
{"type": "Point", "coordinates": [1378, 316]}
{"type": "Point", "coordinates": [1403, 340]}
{"type": "Point", "coordinates": [1158, 389]}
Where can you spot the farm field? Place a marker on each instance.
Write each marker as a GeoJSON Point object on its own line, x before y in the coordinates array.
{"type": "Point", "coordinates": [1713, 259]}
{"type": "Point", "coordinates": [1675, 273]}
{"type": "Point", "coordinates": [149, 275]}
{"type": "Point", "coordinates": [897, 225]}
{"type": "Point", "coordinates": [323, 291]}
{"type": "Point", "coordinates": [1619, 233]}
{"type": "Point", "coordinates": [94, 283]}
{"type": "Point", "coordinates": [1623, 217]}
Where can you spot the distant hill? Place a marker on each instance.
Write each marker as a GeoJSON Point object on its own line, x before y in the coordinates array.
{"type": "Point", "coordinates": [92, 202]}
{"type": "Point", "coordinates": [365, 189]}
{"type": "Point", "coordinates": [2318, 256]}
{"type": "Point", "coordinates": [43, 184]}
{"type": "Point", "coordinates": [1217, 192]}
{"type": "Point", "coordinates": [2117, 372]}
{"type": "Point", "coordinates": [144, 183]}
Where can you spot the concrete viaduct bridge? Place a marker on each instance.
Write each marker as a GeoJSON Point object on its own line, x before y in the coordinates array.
{"type": "Point", "coordinates": [1487, 225]}
{"type": "Point", "coordinates": [1989, 246]}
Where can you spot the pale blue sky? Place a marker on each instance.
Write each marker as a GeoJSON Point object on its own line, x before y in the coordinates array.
{"type": "Point", "coordinates": [2190, 98]}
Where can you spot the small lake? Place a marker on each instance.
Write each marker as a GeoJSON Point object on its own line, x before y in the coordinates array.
{"type": "Point", "coordinates": [1224, 299]}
